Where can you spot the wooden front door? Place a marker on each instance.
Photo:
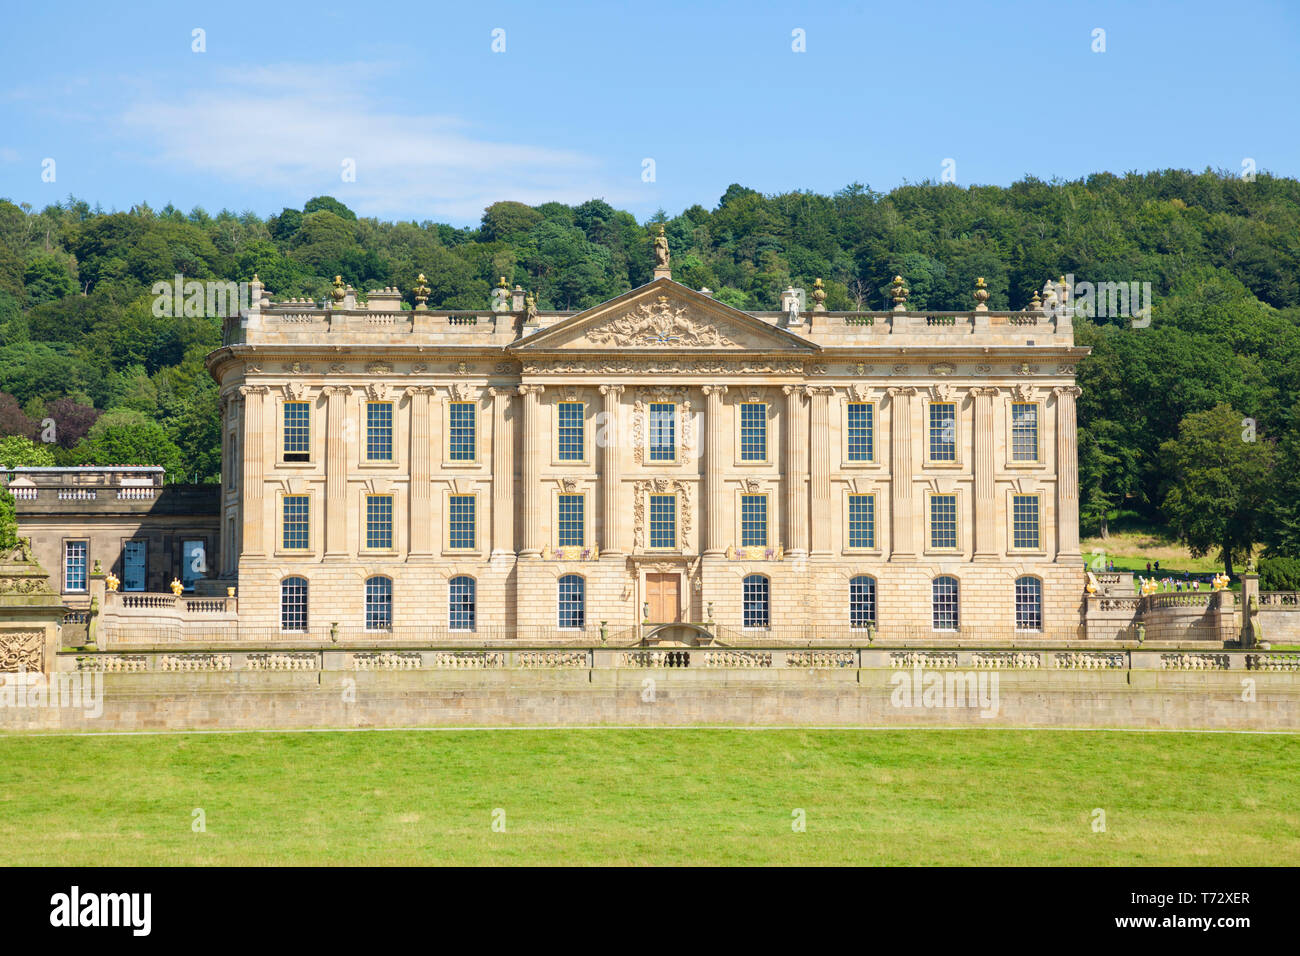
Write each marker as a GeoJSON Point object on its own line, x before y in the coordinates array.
{"type": "Point", "coordinates": [664, 594]}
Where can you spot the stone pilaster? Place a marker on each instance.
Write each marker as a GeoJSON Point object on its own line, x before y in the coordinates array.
{"type": "Point", "coordinates": [503, 474]}
{"type": "Point", "coordinates": [336, 471]}
{"type": "Point", "coordinates": [420, 507]}
{"type": "Point", "coordinates": [985, 507]}
{"type": "Point", "coordinates": [1067, 475]}
{"type": "Point", "coordinates": [795, 472]}
{"type": "Point", "coordinates": [902, 533]}
{"type": "Point", "coordinates": [715, 467]}
{"type": "Point", "coordinates": [251, 492]}
{"type": "Point", "coordinates": [819, 470]}
{"type": "Point", "coordinates": [610, 479]}
{"type": "Point", "coordinates": [530, 471]}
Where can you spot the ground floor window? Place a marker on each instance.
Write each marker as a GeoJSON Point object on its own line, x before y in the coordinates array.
{"type": "Point", "coordinates": [379, 604]}
{"type": "Point", "coordinates": [461, 603]}
{"type": "Point", "coordinates": [572, 602]}
{"type": "Point", "coordinates": [945, 602]}
{"type": "Point", "coordinates": [1029, 604]}
{"type": "Point", "coordinates": [293, 604]}
{"type": "Point", "coordinates": [862, 602]}
{"type": "Point", "coordinates": [74, 565]}
{"type": "Point", "coordinates": [756, 597]}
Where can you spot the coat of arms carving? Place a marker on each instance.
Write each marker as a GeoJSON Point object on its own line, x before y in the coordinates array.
{"type": "Point", "coordinates": [659, 325]}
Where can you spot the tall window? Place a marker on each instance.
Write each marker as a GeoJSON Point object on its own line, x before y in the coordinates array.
{"type": "Point", "coordinates": [297, 513]}
{"type": "Point", "coordinates": [462, 442]}
{"type": "Point", "coordinates": [379, 522]}
{"type": "Point", "coordinates": [74, 565]}
{"type": "Point", "coordinates": [756, 599]}
{"type": "Point", "coordinates": [663, 521]}
{"type": "Point", "coordinates": [571, 521]}
{"type": "Point", "coordinates": [1024, 521]}
{"type": "Point", "coordinates": [753, 431]}
{"type": "Point", "coordinates": [297, 431]}
{"type": "Point", "coordinates": [1029, 604]}
{"type": "Point", "coordinates": [461, 603]}
{"type": "Point", "coordinates": [943, 431]}
{"type": "Point", "coordinates": [379, 603]}
{"type": "Point", "coordinates": [753, 521]}
{"type": "Point", "coordinates": [862, 521]}
{"type": "Point", "coordinates": [293, 604]}
{"type": "Point", "coordinates": [460, 522]}
{"type": "Point", "coordinates": [135, 566]}
{"type": "Point", "coordinates": [1024, 431]}
{"type": "Point", "coordinates": [944, 603]}
{"type": "Point", "coordinates": [862, 601]}
{"type": "Point", "coordinates": [572, 602]}
{"type": "Point", "coordinates": [862, 431]}
{"type": "Point", "coordinates": [943, 521]}
{"type": "Point", "coordinates": [379, 431]}
{"type": "Point", "coordinates": [570, 431]}
{"type": "Point", "coordinates": [663, 432]}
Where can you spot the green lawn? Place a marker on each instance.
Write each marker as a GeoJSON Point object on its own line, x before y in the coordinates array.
{"type": "Point", "coordinates": [642, 797]}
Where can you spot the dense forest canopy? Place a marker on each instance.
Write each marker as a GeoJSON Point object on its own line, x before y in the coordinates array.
{"type": "Point", "coordinates": [79, 345]}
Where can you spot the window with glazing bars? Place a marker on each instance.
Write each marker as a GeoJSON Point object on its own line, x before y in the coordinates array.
{"type": "Point", "coordinates": [943, 521]}
{"type": "Point", "coordinates": [379, 431]}
{"type": "Point", "coordinates": [297, 431]}
{"type": "Point", "coordinates": [1024, 431]}
{"type": "Point", "coordinates": [663, 521]}
{"type": "Point", "coordinates": [296, 523]}
{"type": "Point", "coordinates": [74, 565]}
{"type": "Point", "coordinates": [293, 604]}
{"type": "Point", "coordinates": [1024, 521]}
{"type": "Point", "coordinates": [570, 431]}
{"type": "Point", "coordinates": [571, 521]}
{"type": "Point", "coordinates": [379, 521]}
{"type": "Point", "coordinates": [379, 603]}
{"type": "Point", "coordinates": [755, 595]}
{"type": "Point", "coordinates": [572, 610]}
{"type": "Point", "coordinates": [944, 602]}
{"type": "Point", "coordinates": [461, 603]}
{"type": "Point", "coordinates": [862, 521]}
{"type": "Point", "coordinates": [1029, 604]}
{"type": "Point", "coordinates": [460, 522]}
{"type": "Point", "coordinates": [862, 431]}
{"type": "Point", "coordinates": [753, 521]}
{"type": "Point", "coordinates": [943, 431]}
{"type": "Point", "coordinates": [753, 431]}
{"type": "Point", "coordinates": [461, 440]}
{"type": "Point", "coordinates": [862, 601]}
{"type": "Point", "coordinates": [663, 432]}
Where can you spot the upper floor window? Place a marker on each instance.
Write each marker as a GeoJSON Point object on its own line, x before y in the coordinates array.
{"type": "Point", "coordinates": [943, 521]}
{"type": "Point", "coordinates": [1024, 521]}
{"type": "Point", "coordinates": [462, 443]}
{"type": "Point", "coordinates": [663, 521]}
{"type": "Point", "coordinates": [862, 431]}
{"type": "Point", "coordinates": [460, 522]}
{"type": "Point", "coordinates": [379, 521]}
{"type": "Point", "coordinates": [1024, 431]}
{"type": "Point", "coordinates": [753, 431]}
{"type": "Point", "coordinates": [379, 431]}
{"type": "Point", "coordinates": [663, 431]}
{"type": "Point", "coordinates": [862, 521]}
{"type": "Point", "coordinates": [295, 523]}
{"type": "Point", "coordinates": [571, 521]}
{"type": "Point", "coordinates": [297, 431]}
{"type": "Point", "coordinates": [75, 554]}
{"type": "Point", "coordinates": [753, 521]}
{"type": "Point", "coordinates": [570, 431]}
{"type": "Point", "coordinates": [943, 431]}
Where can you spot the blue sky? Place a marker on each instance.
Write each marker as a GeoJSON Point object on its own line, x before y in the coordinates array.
{"type": "Point", "coordinates": [438, 125]}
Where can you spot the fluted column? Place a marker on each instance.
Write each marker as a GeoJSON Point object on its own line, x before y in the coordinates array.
{"type": "Point", "coordinates": [336, 471]}
{"type": "Point", "coordinates": [531, 424]}
{"type": "Point", "coordinates": [609, 473]}
{"type": "Point", "coordinates": [819, 469]}
{"type": "Point", "coordinates": [902, 532]}
{"type": "Point", "coordinates": [503, 473]}
{"type": "Point", "coordinates": [250, 486]}
{"type": "Point", "coordinates": [715, 468]}
{"type": "Point", "coordinates": [421, 494]}
{"type": "Point", "coordinates": [795, 471]}
{"type": "Point", "coordinates": [986, 545]}
{"type": "Point", "coordinates": [1067, 474]}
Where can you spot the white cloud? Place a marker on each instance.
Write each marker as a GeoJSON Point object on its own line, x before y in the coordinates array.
{"type": "Point", "coordinates": [290, 129]}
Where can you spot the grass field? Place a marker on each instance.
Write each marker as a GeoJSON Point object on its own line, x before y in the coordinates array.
{"type": "Point", "coordinates": [641, 797]}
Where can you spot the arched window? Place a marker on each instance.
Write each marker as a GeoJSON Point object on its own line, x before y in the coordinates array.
{"type": "Point", "coordinates": [293, 604]}
{"type": "Point", "coordinates": [379, 603]}
{"type": "Point", "coordinates": [572, 601]}
{"type": "Point", "coordinates": [461, 603]}
{"type": "Point", "coordinates": [944, 600]}
{"type": "Point", "coordinates": [756, 593]}
{"type": "Point", "coordinates": [1029, 604]}
{"type": "Point", "coordinates": [862, 602]}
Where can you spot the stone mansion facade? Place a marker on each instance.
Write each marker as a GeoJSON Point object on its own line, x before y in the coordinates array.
{"type": "Point", "coordinates": [660, 466]}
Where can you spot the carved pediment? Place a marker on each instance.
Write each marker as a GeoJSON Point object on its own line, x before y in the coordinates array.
{"type": "Point", "coordinates": [664, 317]}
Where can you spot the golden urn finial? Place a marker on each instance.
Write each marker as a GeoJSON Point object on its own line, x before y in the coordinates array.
{"type": "Point", "coordinates": [819, 296]}
{"type": "Point", "coordinates": [981, 295]}
{"type": "Point", "coordinates": [421, 292]}
{"type": "Point", "coordinates": [338, 292]}
{"type": "Point", "coordinates": [899, 293]}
